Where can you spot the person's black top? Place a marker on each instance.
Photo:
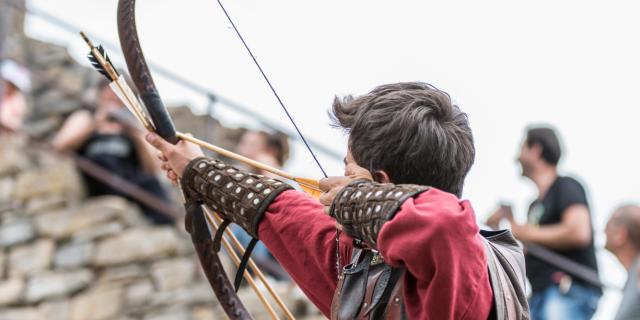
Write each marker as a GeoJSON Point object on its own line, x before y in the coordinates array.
{"type": "Point", "coordinates": [563, 193]}
{"type": "Point", "coordinates": [117, 153]}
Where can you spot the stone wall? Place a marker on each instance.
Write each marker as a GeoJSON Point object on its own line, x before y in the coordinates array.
{"type": "Point", "coordinates": [66, 257]}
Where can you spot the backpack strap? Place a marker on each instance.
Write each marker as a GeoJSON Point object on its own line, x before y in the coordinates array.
{"type": "Point", "coordinates": [505, 263]}
{"type": "Point", "coordinates": [499, 308]}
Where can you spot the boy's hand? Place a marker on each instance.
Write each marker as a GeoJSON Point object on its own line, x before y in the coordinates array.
{"type": "Point", "coordinates": [174, 157]}
{"type": "Point", "coordinates": [332, 185]}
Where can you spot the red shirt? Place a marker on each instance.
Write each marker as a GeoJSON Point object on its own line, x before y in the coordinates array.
{"type": "Point", "coordinates": [434, 236]}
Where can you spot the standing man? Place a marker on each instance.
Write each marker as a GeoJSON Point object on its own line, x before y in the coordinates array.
{"type": "Point", "coordinates": [559, 220]}
{"type": "Point", "coordinates": [419, 254]}
{"type": "Point", "coordinates": [623, 240]}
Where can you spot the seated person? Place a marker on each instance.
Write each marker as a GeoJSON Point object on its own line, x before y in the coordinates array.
{"type": "Point", "coordinates": [113, 145]}
{"type": "Point", "coordinates": [13, 104]}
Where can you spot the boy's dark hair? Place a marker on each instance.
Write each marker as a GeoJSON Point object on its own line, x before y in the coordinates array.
{"type": "Point", "coordinates": [547, 139]}
{"type": "Point", "coordinates": [410, 130]}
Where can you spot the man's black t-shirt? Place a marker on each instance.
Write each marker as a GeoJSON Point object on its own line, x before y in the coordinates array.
{"type": "Point", "coordinates": [563, 193]}
{"type": "Point", "coordinates": [117, 153]}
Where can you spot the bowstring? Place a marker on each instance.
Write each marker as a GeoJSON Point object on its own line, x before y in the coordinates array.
{"type": "Point", "coordinates": [264, 75]}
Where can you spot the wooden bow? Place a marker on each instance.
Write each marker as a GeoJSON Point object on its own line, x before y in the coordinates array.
{"type": "Point", "coordinates": [197, 218]}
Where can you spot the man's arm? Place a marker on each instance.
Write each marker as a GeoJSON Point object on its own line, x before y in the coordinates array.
{"type": "Point", "coordinates": [74, 132]}
{"type": "Point", "coordinates": [573, 231]}
{"type": "Point", "coordinates": [574, 227]}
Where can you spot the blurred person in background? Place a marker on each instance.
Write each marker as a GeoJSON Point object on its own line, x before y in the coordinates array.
{"type": "Point", "coordinates": [106, 138]}
{"type": "Point", "coordinates": [13, 106]}
{"type": "Point", "coordinates": [271, 149]}
{"type": "Point", "coordinates": [623, 240]}
{"type": "Point", "coordinates": [559, 219]}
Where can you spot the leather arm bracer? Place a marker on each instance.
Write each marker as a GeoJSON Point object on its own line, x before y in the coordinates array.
{"type": "Point", "coordinates": [239, 196]}
{"type": "Point", "coordinates": [363, 206]}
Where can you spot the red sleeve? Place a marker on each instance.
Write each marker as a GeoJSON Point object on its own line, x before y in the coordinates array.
{"type": "Point", "coordinates": [302, 238]}
{"type": "Point", "coordinates": [435, 237]}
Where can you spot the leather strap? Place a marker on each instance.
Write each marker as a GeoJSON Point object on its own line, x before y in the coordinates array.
{"type": "Point", "coordinates": [243, 263]}
{"type": "Point", "coordinates": [217, 239]}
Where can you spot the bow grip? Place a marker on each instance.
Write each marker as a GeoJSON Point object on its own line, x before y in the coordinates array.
{"type": "Point", "coordinates": [160, 116]}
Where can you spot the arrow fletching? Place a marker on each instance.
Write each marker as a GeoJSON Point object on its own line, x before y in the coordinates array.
{"type": "Point", "coordinates": [309, 186]}
{"type": "Point", "coordinates": [95, 63]}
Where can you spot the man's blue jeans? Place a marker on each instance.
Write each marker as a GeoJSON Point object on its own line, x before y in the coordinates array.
{"type": "Point", "coordinates": [579, 303]}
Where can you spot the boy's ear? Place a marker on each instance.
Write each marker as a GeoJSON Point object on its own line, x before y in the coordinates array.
{"type": "Point", "coordinates": [381, 176]}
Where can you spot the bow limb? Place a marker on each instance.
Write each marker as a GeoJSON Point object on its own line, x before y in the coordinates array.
{"type": "Point", "coordinates": [195, 220]}
{"type": "Point", "coordinates": [140, 73]}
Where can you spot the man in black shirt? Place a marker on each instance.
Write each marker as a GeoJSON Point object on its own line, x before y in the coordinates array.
{"type": "Point", "coordinates": [559, 220]}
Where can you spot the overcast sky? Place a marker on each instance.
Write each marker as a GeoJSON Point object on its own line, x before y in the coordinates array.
{"type": "Point", "coordinates": [572, 64]}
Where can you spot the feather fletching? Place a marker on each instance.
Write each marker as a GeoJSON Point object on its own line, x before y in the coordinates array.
{"type": "Point", "coordinates": [96, 64]}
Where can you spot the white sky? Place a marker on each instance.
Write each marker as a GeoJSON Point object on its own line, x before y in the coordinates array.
{"type": "Point", "coordinates": [573, 64]}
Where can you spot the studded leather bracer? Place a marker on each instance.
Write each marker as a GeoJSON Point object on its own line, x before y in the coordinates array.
{"type": "Point", "coordinates": [364, 206]}
{"type": "Point", "coordinates": [239, 196]}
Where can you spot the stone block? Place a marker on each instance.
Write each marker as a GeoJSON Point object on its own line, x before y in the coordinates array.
{"type": "Point", "coordinates": [198, 293]}
{"type": "Point", "coordinates": [55, 102]}
{"type": "Point", "coordinates": [59, 178]}
{"type": "Point", "coordinates": [174, 273]}
{"type": "Point", "coordinates": [7, 187]}
{"type": "Point", "coordinates": [176, 312]}
{"type": "Point", "coordinates": [16, 232]}
{"type": "Point", "coordinates": [63, 223]}
{"type": "Point", "coordinates": [11, 290]}
{"type": "Point", "coordinates": [71, 81]}
{"type": "Point", "coordinates": [203, 313]}
{"type": "Point", "coordinates": [55, 310]}
{"type": "Point", "coordinates": [57, 284]}
{"type": "Point", "coordinates": [185, 246]}
{"type": "Point", "coordinates": [73, 255]}
{"type": "Point", "coordinates": [45, 203]}
{"type": "Point", "coordinates": [123, 274]}
{"type": "Point", "coordinates": [102, 302]}
{"type": "Point", "coordinates": [24, 313]}
{"type": "Point", "coordinates": [138, 293]}
{"type": "Point", "coordinates": [98, 232]}
{"type": "Point", "coordinates": [49, 54]}
{"type": "Point", "coordinates": [31, 258]}
{"type": "Point", "coordinates": [109, 205]}
{"type": "Point", "coordinates": [136, 245]}
{"type": "Point", "coordinates": [13, 158]}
